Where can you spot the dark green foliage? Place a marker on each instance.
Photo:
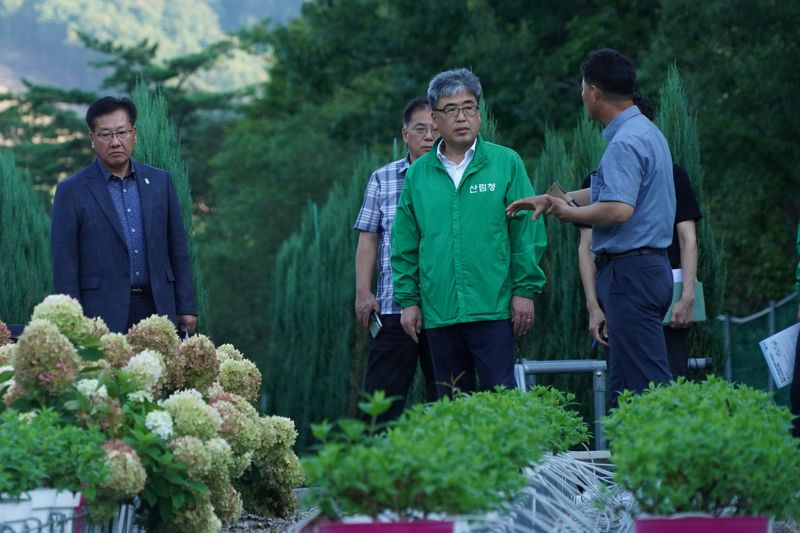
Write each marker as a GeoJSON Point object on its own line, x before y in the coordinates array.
{"type": "Point", "coordinates": [678, 121]}
{"type": "Point", "coordinates": [267, 490]}
{"type": "Point", "coordinates": [738, 60]}
{"type": "Point", "coordinates": [25, 275]}
{"type": "Point", "coordinates": [39, 452]}
{"type": "Point", "coordinates": [455, 457]}
{"type": "Point", "coordinates": [158, 145]}
{"type": "Point", "coordinates": [315, 362]}
{"type": "Point", "coordinates": [50, 141]}
{"type": "Point", "coordinates": [168, 487]}
{"type": "Point", "coordinates": [707, 447]}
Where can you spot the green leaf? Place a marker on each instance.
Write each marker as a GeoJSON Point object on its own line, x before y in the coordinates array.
{"type": "Point", "coordinates": [90, 353]}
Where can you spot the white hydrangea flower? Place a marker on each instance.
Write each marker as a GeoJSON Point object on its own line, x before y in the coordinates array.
{"type": "Point", "coordinates": [160, 423]}
{"type": "Point", "coordinates": [91, 388]}
{"type": "Point", "coordinates": [146, 367]}
{"type": "Point", "coordinates": [27, 417]}
{"type": "Point", "coordinates": [193, 416]}
{"type": "Point", "coordinates": [140, 396]}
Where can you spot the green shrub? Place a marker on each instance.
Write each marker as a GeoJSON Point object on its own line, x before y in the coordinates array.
{"type": "Point", "coordinates": [707, 447]}
{"type": "Point", "coordinates": [36, 450]}
{"type": "Point", "coordinates": [454, 457]}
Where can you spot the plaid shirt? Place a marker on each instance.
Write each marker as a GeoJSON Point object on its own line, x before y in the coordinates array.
{"type": "Point", "coordinates": [376, 216]}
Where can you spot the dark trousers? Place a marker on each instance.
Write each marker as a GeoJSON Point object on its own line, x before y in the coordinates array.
{"type": "Point", "coordinates": [677, 340]}
{"type": "Point", "coordinates": [635, 293]}
{"type": "Point", "coordinates": [392, 363]}
{"type": "Point", "coordinates": [141, 307]}
{"type": "Point", "coordinates": [794, 390]}
{"type": "Point", "coordinates": [461, 350]}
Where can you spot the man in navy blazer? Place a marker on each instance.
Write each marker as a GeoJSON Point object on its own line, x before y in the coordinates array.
{"type": "Point", "coordinates": [117, 237]}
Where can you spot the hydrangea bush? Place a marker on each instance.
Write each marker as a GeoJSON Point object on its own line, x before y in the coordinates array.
{"type": "Point", "coordinates": [45, 359]}
{"type": "Point", "coordinates": [5, 334]}
{"type": "Point", "coordinates": [66, 314]}
{"type": "Point", "coordinates": [177, 416]}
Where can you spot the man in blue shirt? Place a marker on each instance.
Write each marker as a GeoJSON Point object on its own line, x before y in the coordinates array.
{"type": "Point", "coordinates": [631, 208]}
{"type": "Point", "coordinates": [117, 237]}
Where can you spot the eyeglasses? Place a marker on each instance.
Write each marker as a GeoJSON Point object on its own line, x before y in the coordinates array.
{"type": "Point", "coordinates": [107, 135]}
{"type": "Point", "coordinates": [451, 111]}
{"type": "Point", "coordinates": [422, 130]}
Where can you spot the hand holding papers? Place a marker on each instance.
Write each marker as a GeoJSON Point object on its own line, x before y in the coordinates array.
{"type": "Point", "coordinates": [779, 352]}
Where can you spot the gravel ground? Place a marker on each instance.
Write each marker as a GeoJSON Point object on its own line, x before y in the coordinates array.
{"type": "Point", "coordinates": [251, 523]}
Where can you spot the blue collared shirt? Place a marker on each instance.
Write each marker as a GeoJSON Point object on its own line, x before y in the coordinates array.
{"type": "Point", "coordinates": [635, 169]}
{"type": "Point", "coordinates": [376, 216]}
{"type": "Point", "coordinates": [128, 204]}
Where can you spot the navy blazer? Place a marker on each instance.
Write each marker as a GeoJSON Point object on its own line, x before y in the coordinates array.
{"type": "Point", "coordinates": [90, 255]}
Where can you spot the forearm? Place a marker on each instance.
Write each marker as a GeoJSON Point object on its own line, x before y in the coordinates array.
{"type": "Point", "coordinates": [687, 237]}
{"type": "Point", "coordinates": [405, 252]}
{"type": "Point", "coordinates": [599, 214]}
{"type": "Point", "coordinates": [528, 240]}
{"type": "Point", "coordinates": [588, 270]}
{"type": "Point", "coordinates": [366, 256]}
{"type": "Point", "coordinates": [582, 196]}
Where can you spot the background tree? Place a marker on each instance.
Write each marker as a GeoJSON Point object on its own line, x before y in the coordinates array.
{"type": "Point", "coordinates": [25, 276]}
{"type": "Point", "coordinates": [315, 363]}
{"type": "Point", "coordinates": [49, 140]}
{"type": "Point", "coordinates": [678, 121]}
{"type": "Point", "coordinates": [738, 62]}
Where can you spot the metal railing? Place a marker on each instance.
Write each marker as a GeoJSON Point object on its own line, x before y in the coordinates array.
{"type": "Point", "coordinates": [526, 371]}
{"type": "Point", "coordinates": [727, 320]}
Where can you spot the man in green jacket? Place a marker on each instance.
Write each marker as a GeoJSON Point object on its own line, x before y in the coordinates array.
{"type": "Point", "coordinates": [461, 269]}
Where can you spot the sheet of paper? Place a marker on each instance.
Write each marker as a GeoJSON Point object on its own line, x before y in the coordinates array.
{"type": "Point", "coordinates": [677, 275]}
{"type": "Point", "coordinates": [779, 352]}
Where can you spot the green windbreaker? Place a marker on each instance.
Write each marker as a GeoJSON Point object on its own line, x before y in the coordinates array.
{"type": "Point", "coordinates": [454, 251]}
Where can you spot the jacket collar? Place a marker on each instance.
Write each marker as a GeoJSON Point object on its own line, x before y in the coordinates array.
{"type": "Point", "coordinates": [479, 159]}
{"type": "Point", "coordinates": [98, 186]}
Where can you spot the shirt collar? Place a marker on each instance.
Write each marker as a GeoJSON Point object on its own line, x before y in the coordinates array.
{"type": "Point", "coordinates": [467, 156]}
{"type": "Point", "coordinates": [107, 174]}
{"type": "Point", "coordinates": [614, 126]}
{"type": "Point", "coordinates": [403, 164]}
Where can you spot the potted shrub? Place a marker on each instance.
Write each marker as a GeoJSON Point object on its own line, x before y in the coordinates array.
{"type": "Point", "coordinates": [19, 472]}
{"type": "Point", "coordinates": [449, 458]}
{"type": "Point", "coordinates": [710, 456]}
{"type": "Point", "coordinates": [46, 463]}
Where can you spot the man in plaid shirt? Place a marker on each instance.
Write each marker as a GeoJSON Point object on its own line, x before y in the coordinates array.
{"type": "Point", "coordinates": [393, 355]}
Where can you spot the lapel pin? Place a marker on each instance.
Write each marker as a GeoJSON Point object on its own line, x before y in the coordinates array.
{"type": "Point", "coordinates": [147, 181]}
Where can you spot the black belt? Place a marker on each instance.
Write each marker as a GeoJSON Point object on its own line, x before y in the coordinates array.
{"type": "Point", "coordinates": [140, 292]}
{"type": "Point", "coordinates": [602, 259]}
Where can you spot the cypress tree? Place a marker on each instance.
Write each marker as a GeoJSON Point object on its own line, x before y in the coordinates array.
{"type": "Point", "coordinates": [678, 122]}
{"type": "Point", "coordinates": [317, 350]}
{"type": "Point", "coordinates": [557, 333]}
{"type": "Point", "coordinates": [560, 324]}
{"type": "Point", "coordinates": [561, 321]}
{"type": "Point", "coordinates": [158, 145]}
{"type": "Point", "coordinates": [25, 275]}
